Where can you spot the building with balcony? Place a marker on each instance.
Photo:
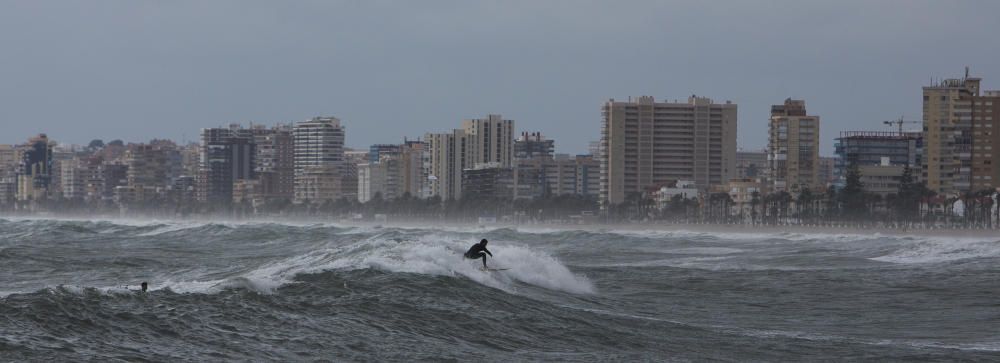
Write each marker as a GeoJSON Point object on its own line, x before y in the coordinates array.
{"type": "Point", "coordinates": [793, 148]}
{"type": "Point", "coordinates": [960, 137]}
{"type": "Point", "coordinates": [877, 148]}
{"type": "Point", "coordinates": [320, 170]}
{"type": "Point", "coordinates": [645, 143]}
{"type": "Point", "coordinates": [34, 172]}
{"type": "Point", "coordinates": [227, 155]}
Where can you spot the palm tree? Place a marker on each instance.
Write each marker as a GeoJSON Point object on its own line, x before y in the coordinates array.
{"type": "Point", "coordinates": [805, 204]}
{"type": "Point", "coordinates": [754, 202]}
{"type": "Point", "coordinates": [852, 197]}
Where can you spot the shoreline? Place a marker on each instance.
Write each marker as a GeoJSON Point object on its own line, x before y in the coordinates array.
{"type": "Point", "coordinates": [719, 228]}
{"type": "Point", "coordinates": [611, 228]}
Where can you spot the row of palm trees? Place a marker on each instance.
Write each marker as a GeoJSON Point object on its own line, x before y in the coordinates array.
{"type": "Point", "coordinates": [912, 205]}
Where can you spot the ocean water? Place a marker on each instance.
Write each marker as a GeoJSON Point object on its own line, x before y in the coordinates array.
{"type": "Point", "coordinates": [308, 292]}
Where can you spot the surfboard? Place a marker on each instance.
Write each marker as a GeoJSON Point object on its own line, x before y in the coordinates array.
{"type": "Point", "coordinates": [495, 269]}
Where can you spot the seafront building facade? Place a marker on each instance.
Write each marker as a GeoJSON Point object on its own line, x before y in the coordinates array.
{"type": "Point", "coordinates": [318, 159]}
{"type": "Point", "coordinates": [414, 164]}
{"type": "Point", "coordinates": [227, 155]}
{"type": "Point", "coordinates": [960, 123]}
{"type": "Point", "coordinates": [646, 147]}
{"type": "Point", "coordinates": [34, 172]}
{"type": "Point", "coordinates": [793, 148]}
{"type": "Point", "coordinates": [553, 176]}
{"type": "Point", "coordinates": [645, 144]}
{"type": "Point", "coordinates": [479, 143]}
{"type": "Point", "coordinates": [447, 157]}
{"type": "Point", "coordinates": [383, 178]}
{"type": "Point", "coordinates": [878, 153]}
{"type": "Point", "coordinates": [986, 141]}
{"type": "Point", "coordinates": [947, 117]}
{"type": "Point", "coordinates": [489, 140]}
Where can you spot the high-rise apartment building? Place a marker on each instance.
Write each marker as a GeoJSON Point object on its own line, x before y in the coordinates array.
{"type": "Point", "coordinates": [877, 148]}
{"type": "Point", "coordinates": [8, 191]}
{"type": "Point", "coordinates": [481, 143]}
{"type": "Point", "coordinates": [152, 165]}
{"type": "Point", "coordinates": [73, 179]}
{"type": "Point", "coordinates": [60, 153]}
{"type": "Point", "coordinates": [8, 160]}
{"type": "Point", "coordinates": [319, 160]}
{"type": "Point", "coordinates": [986, 141]}
{"type": "Point", "coordinates": [961, 140]}
{"type": "Point", "coordinates": [947, 116]}
{"type": "Point", "coordinates": [92, 172]}
{"type": "Point", "coordinates": [113, 175]}
{"type": "Point", "coordinates": [490, 140]}
{"type": "Point", "coordinates": [645, 143]}
{"type": "Point", "coordinates": [447, 157]}
{"type": "Point", "coordinates": [34, 170]}
{"type": "Point", "coordinates": [562, 175]}
{"type": "Point", "coordinates": [588, 175]}
{"type": "Point", "coordinates": [275, 165]}
{"type": "Point", "coordinates": [227, 155]}
{"type": "Point", "coordinates": [793, 148]}
{"type": "Point", "coordinates": [414, 166]}
{"type": "Point", "coordinates": [190, 159]}
{"type": "Point", "coordinates": [383, 178]}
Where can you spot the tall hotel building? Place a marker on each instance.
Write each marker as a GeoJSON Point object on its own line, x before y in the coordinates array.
{"type": "Point", "coordinates": [960, 136]}
{"type": "Point", "coordinates": [793, 148]}
{"type": "Point", "coordinates": [491, 141]}
{"type": "Point", "coordinates": [986, 141]}
{"type": "Point", "coordinates": [645, 144]}
{"type": "Point", "coordinates": [34, 171]}
{"type": "Point", "coordinates": [227, 155]}
{"type": "Point", "coordinates": [480, 142]}
{"type": "Point", "coordinates": [318, 160]}
{"type": "Point", "coordinates": [447, 157]}
{"type": "Point", "coordinates": [275, 165]}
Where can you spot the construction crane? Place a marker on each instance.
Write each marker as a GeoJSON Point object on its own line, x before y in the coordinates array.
{"type": "Point", "coordinates": [899, 123]}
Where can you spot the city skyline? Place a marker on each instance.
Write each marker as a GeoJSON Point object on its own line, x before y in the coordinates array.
{"type": "Point", "coordinates": [171, 69]}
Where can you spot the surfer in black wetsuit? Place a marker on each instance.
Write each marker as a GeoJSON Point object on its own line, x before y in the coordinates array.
{"type": "Point", "coordinates": [479, 250]}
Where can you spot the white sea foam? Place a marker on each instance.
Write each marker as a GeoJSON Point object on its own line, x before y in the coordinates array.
{"type": "Point", "coordinates": [170, 227]}
{"type": "Point", "coordinates": [705, 251]}
{"type": "Point", "coordinates": [435, 256]}
{"type": "Point", "coordinates": [932, 250]}
{"type": "Point", "coordinates": [431, 255]}
{"type": "Point", "coordinates": [742, 236]}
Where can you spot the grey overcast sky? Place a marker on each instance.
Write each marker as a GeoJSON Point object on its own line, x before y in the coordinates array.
{"type": "Point", "coordinates": [136, 70]}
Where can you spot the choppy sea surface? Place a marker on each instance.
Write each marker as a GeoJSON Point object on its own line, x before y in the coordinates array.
{"type": "Point", "coordinates": [307, 292]}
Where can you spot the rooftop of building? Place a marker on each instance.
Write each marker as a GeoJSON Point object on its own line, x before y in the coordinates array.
{"type": "Point", "coordinates": [879, 135]}
{"type": "Point", "coordinates": [789, 108]}
{"type": "Point", "coordinates": [692, 100]}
